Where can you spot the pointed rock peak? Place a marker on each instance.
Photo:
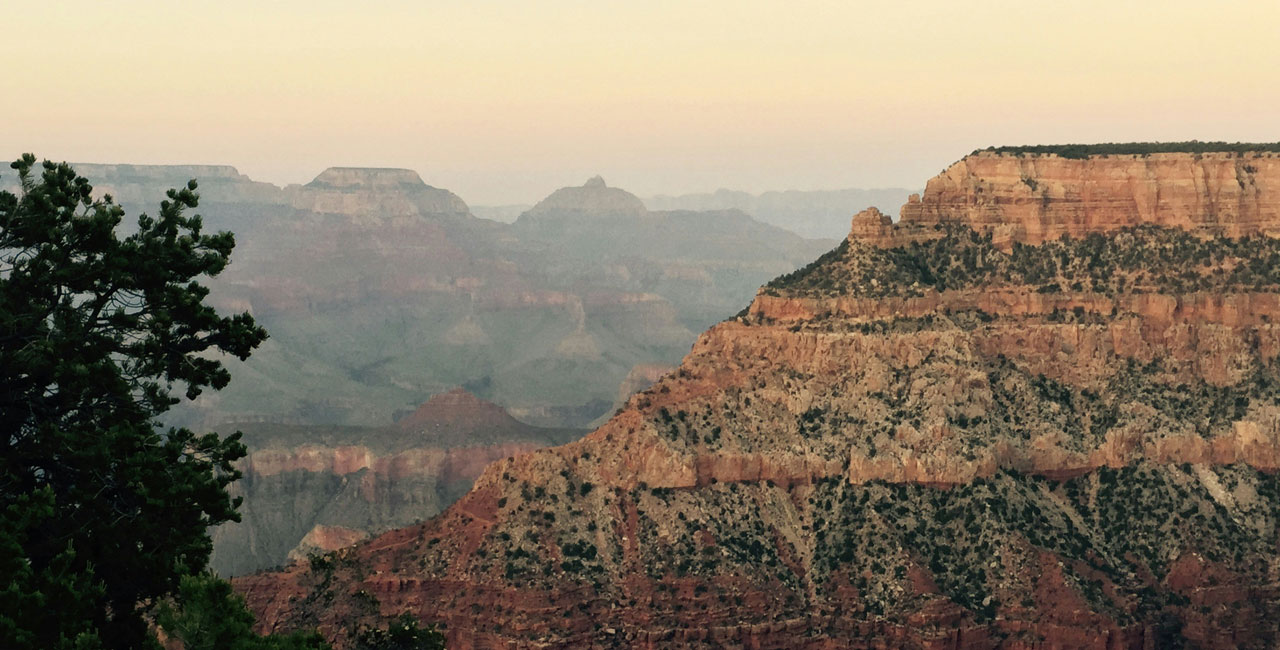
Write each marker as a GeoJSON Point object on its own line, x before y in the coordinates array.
{"type": "Point", "coordinates": [367, 178]}
{"type": "Point", "coordinates": [593, 199]}
{"type": "Point", "coordinates": [454, 408]}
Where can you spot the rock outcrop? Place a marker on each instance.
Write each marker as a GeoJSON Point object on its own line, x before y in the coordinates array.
{"type": "Point", "coordinates": [872, 225]}
{"type": "Point", "coordinates": [640, 378]}
{"type": "Point", "coordinates": [943, 445]}
{"type": "Point", "coordinates": [324, 539]}
{"type": "Point", "coordinates": [1032, 198]}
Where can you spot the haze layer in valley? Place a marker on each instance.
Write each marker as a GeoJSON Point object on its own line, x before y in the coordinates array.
{"type": "Point", "coordinates": [386, 297]}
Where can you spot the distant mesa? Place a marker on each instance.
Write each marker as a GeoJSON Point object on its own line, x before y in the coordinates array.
{"type": "Point", "coordinates": [316, 488]}
{"type": "Point", "coordinates": [593, 199]}
{"type": "Point", "coordinates": [376, 178]}
{"type": "Point", "coordinates": [140, 187]}
{"type": "Point", "coordinates": [579, 345]}
{"type": "Point", "coordinates": [155, 173]}
{"type": "Point", "coordinates": [376, 192]}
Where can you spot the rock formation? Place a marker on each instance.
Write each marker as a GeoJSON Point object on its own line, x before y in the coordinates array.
{"type": "Point", "coordinates": [871, 225]}
{"type": "Point", "coordinates": [593, 199]}
{"type": "Point", "coordinates": [380, 290]}
{"type": "Point", "coordinates": [940, 443]}
{"type": "Point", "coordinates": [323, 539]}
{"type": "Point", "coordinates": [375, 193]}
{"type": "Point", "coordinates": [312, 489]}
{"type": "Point", "coordinates": [1032, 198]}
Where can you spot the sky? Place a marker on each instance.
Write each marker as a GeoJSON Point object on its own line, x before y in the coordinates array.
{"type": "Point", "coordinates": [503, 102]}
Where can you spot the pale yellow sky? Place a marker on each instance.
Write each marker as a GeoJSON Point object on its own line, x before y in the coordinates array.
{"type": "Point", "coordinates": [506, 101]}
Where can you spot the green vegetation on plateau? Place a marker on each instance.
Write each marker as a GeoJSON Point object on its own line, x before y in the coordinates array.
{"type": "Point", "coordinates": [1133, 148]}
{"type": "Point", "coordinates": [1140, 259]}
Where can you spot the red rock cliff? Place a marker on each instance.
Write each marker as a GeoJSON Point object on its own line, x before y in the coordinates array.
{"type": "Point", "coordinates": [1035, 198]}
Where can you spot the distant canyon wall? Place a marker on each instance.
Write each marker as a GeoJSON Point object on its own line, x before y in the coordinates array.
{"type": "Point", "coordinates": [314, 498]}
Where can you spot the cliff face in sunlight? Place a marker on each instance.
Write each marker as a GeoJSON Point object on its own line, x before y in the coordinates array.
{"type": "Point", "coordinates": [955, 432]}
{"type": "Point", "coordinates": [1036, 198]}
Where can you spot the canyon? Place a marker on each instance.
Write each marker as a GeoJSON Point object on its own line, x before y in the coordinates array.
{"type": "Point", "coordinates": [314, 489]}
{"type": "Point", "coordinates": [383, 294]}
{"type": "Point", "coordinates": [380, 290]}
{"type": "Point", "coordinates": [1009, 420]}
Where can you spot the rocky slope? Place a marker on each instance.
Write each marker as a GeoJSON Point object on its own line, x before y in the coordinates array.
{"type": "Point", "coordinates": [942, 443]}
{"type": "Point", "coordinates": [310, 489]}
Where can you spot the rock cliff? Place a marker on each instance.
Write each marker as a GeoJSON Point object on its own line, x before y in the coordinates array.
{"type": "Point", "coordinates": [1032, 198]}
{"type": "Point", "coordinates": [939, 443]}
{"type": "Point", "coordinates": [312, 489]}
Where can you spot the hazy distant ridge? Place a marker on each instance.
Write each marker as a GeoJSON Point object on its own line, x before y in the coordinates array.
{"type": "Point", "coordinates": [808, 213]}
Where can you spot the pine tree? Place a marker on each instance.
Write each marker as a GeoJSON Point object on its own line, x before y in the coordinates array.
{"type": "Point", "coordinates": [102, 511]}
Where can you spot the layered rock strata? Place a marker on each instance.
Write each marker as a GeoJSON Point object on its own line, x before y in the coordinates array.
{"type": "Point", "coordinates": [1032, 198]}
{"type": "Point", "coordinates": [310, 489]}
{"type": "Point", "coordinates": [934, 443]}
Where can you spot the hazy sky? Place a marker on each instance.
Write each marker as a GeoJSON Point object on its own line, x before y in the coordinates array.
{"type": "Point", "coordinates": [505, 101]}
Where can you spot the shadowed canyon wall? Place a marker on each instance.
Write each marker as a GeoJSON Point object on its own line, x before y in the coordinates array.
{"type": "Point", "coordinates": [311, 489]}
